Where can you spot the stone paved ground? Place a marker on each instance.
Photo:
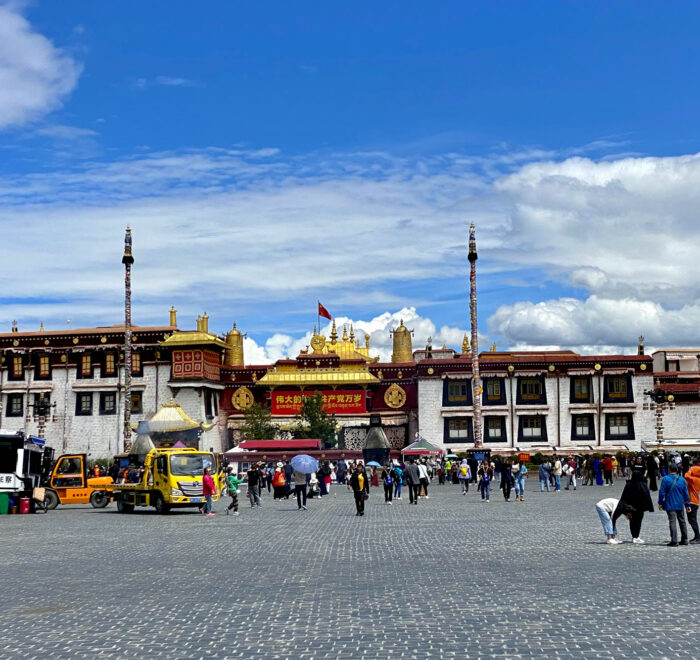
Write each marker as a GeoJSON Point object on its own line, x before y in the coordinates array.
{"type": "Point", "coordinates": [450, 578]}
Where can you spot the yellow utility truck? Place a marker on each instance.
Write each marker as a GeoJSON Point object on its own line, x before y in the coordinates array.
{"type": "Point", "coordinates": [168, 479]}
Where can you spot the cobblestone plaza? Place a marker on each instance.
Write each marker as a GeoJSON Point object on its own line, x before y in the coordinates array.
{"type": "Point", "coordinates": [452, 577]}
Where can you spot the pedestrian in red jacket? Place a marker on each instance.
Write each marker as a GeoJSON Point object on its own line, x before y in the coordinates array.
{"type": "Point", "coordinates": [209, 489]}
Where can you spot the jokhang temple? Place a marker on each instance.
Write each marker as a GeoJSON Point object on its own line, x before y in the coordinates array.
{"type": "Point", "coordinates": [353, 384]}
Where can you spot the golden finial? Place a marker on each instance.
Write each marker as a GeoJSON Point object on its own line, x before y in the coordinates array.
{"type": "Point", "coordinates": [352, 333]}
{"type": "Point", "coordinates": [493, 347]}
{"type": "Point", "coordinates": [334, 333]}
{"type": "Point", "coordinates": [465, 344]}
{"type": "Point", "coordinates": [173, 316]}
{"type": "Point", "coordinates": [367, 341]}
{"type": "Point", "coordinates": [41, 326]}
{"type": "Point", "coordinates": [345, 333]}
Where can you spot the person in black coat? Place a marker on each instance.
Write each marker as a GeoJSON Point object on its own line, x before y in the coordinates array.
{"type": "Point", "coordinates": [636, 499]}
{"type": "Point", "coordinates": [651, 472]}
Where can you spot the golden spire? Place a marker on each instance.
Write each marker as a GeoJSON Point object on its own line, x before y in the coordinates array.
{"type": "Point", "coordinates": [465, 344]}
{"type": "Point", "coordinates": [41, 326]}
{"type": "Point", "coordinates": [334, 333]}
{"type": "Point", "coordinates": [345, 333]}
{"type": "Point", "coordinates": [493, 347]}
{"type": "Point", "coordinates": [367, 341]}
{"type": "Point", "coordinates": [205, 322]}
{"type": "Point", "coordinates": [352, 333]}
{"type": "Point", "coordinates": [173, 316]}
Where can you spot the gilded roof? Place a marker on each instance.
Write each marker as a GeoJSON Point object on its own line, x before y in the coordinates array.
{"type": "Point", "coordinates": [341, 376]}
{"type": "Point", "coordinates": [192, 338]}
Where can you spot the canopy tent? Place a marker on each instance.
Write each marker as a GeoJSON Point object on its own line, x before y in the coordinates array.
{"type": "Point", "coordinates": [421, 448]}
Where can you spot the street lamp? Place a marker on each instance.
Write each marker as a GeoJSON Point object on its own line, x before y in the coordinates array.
{"type": "Point", "coordinates": [662, 401]}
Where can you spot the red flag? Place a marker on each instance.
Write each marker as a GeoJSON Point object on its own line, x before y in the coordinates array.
{"type": "Point", "coordinates": [322, 311]}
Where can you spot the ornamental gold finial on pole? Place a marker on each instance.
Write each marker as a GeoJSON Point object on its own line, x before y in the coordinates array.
{"type": "Point", "coordinates": [476, 380]}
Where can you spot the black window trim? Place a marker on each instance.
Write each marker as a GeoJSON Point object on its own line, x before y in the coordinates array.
{"type": "Point", "coordinates": [543, 436]}
{"type": "Point", "coordinates": [446, 433]}
{"type": "Point", "coordinates": [501, 401]}
{"type": "Point", "coordinates": [630, 427]}
{"type": "Point", "coordinates": [103, 410]}
{"type": "Point", "coordinates": [15, 396]}
{"type": "Point", "coordinates": [572, 389]}
{"type": "Point", "coordinates": [504, 434]}
{"type": "Point", "coordinates": [626, 399]}
{"type": "Point", "coordinates": [445, 393]}
{"type": "Point", "coordinates": [78, 411]}
{"type": "Point", "coordinates": [591, 427]}
{"type": "Point", "coordinates": [541, 401]}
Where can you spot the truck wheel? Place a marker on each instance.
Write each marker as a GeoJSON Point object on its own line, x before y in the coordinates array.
{"type": "Point", "coordinates": [51, 499]}
{"type": "Point", "coordinates": [160, 505]}
{"type": "Point", "coordinates": [124, 507]}
{"type": "Point", "coordinates": [99, 499]}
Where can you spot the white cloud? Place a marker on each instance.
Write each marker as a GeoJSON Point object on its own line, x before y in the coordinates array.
{"type": "Point", "coordinates": [64, 132]}
{"type": "Point", "coordinates": [240, 228]}
{"type": "Point", "coordinates": [35, 76]}
{"type": "Point", "coordinates": [170, 81]}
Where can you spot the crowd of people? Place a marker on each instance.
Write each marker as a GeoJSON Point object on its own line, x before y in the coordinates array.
{"type": "Point", "coordinates": [672, 475]}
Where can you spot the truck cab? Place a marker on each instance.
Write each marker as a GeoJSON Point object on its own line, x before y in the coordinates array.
{"type": "Point", "coordinates": [69, 483]}
{"type": "Point", "coordinates": [21, 463]}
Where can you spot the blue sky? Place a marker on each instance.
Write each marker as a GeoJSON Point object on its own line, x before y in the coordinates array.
{"type": "Point", "coordinates": [270, 154]}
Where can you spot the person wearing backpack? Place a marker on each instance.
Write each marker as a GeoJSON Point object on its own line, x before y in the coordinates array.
{"type": "Point", "coordinates": [486, 475]}
{"type": "Point", "coordinates": [388, 481]}
{"type": "Point", "coordinates": [464, 475]}
{"type": "Point", "coordinates": [674, 499]}
{"type": "Point", "coordinates": [397, 474]}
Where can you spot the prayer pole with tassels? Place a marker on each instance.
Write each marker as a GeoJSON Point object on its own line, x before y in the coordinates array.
{"type": "Point", "coordinates": [476, 379]}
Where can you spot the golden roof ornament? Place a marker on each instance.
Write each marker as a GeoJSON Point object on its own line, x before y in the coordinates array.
{"type": "Point", "coordinates": [334, 333]}
{"type": "Point", "coordinates": [345, 333]}
{"type": "Point", "coordinates": [352, 333]}
{"type": "Point", "coordinates": [493, 347]}
{"type": "Point", "coordinates": [395, 396]}
{"type": "Point", "coordinates": [465, 344]}
{"type": "Point", "coordinates": [403, 348]}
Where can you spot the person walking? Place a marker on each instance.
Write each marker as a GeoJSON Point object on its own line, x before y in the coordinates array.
{"type": "Point", "coordinates": [652, 472]}
{"type": "Point", "coordinates": [506, 479]}
{"type": "Point", "coordinates": [208, 490]}
{"type": "Point", "coordinates": [464, 475]}
{"type": "Point", "coordinates": [607, 465]}
{"type": "Point", "coordinates": [519, 476]}
{"type": "Point", "coordinates": [544, 472]}
{"type": "Point", "coordinates": [341, 470]}
{"type": "Point", "coordinates": [673, 498]}
{"type": "Point", "coordinates": [397, 474]}
{"type": "Point", "coordinates": [635, 499]}
{"type": "Point", "coordinates": [388, 481]}
{"type": "Point", "coordinates": [424, 478]}
{"type": "Point", "coordinates": [357, 485]}
{"type": "Point", "coordinates": [556, 471]}
{"type": "Point", "coordinates": [485, 476]}
{"type": "Point", "coordinates": [412, 481]}
{"type": "Point", "coordinates": [232, 483]}
{"type": "Point", "coordinates": [279, 482]}
{"type": "Point", "coordinates": [254, 485]}
{"type": "Point", "coordinates": [299, 481]}
{"type": "Point", "coordinates": [288, 471]}
{"type": "Point", "coordinates": [571, 473]}
{"type": "Point", "coordinates": [692, 478]}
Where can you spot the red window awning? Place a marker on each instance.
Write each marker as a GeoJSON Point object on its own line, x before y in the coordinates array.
{"type": "Point", "coordinates": [279, 445]}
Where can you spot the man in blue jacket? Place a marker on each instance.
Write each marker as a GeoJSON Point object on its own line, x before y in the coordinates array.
{"type": "Point", "coordinates": [674, 499]}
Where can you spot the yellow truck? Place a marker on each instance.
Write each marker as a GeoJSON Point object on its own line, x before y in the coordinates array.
{"type": "Point", "coordinates": [168, 479]}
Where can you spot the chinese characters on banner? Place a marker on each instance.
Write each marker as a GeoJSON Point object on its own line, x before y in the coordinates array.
{"type": "Point", "coordinates": [342, 402]}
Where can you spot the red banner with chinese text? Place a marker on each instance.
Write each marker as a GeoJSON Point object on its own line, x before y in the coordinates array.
{"type": "Point", "coordinates": [339, 402]}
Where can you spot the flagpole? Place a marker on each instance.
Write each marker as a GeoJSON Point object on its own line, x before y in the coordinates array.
{"type": "Point", "coordinates": [318, 314]}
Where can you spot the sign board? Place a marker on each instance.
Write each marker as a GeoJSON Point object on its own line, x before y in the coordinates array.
{"type": "Point", "coordinates": [339, 402]}
{"type": "Point", "coordinates": [522, 457]}
{"type": "Point", "coordinates": [479, 456]}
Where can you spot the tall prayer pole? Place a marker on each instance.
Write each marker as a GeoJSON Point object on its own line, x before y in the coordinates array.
{"type": "Point", "coordinates": [476, 380]}
{"type": "Point", "coordinates": [127, 260]}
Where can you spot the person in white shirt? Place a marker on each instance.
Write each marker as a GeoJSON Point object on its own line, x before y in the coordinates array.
{"type": "Point", "coordinates": [424, 477]}
{"type": "Point", "coordinates": [605, 509]}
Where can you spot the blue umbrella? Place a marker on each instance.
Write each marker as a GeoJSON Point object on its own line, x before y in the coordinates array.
{"type": "Point", "coordinates": [304, 463]}
{"type": "Point", "coordinates": [373, 464]}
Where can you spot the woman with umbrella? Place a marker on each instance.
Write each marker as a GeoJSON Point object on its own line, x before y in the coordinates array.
{"type": "Point", "coordinates": [303, 464]}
